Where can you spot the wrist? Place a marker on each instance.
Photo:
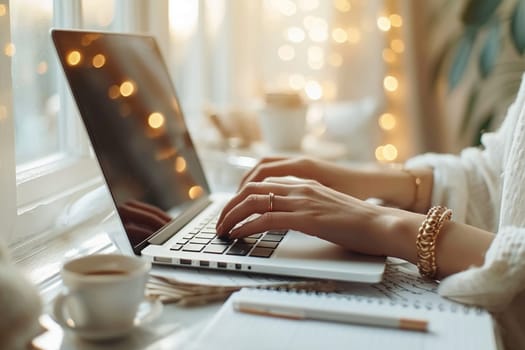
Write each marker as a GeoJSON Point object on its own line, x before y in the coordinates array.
{"type": "Point", "coordinates": [401, 229]}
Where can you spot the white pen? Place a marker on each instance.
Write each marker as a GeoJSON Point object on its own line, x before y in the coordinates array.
{"type": "Point", "coordinates": [303, 312]}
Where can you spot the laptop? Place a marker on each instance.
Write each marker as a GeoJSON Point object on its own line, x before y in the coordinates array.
{"type": "Point", "coordinates": [137, 129]}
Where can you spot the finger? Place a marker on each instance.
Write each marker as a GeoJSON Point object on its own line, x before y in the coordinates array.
{"type": "Point", "coordinates": [254, 204]}
{"type": "Point", "coordinates": [161, 214]}
{"type": "Point", "coordinates": [286, 180]}
{"type": "Point", "coordinates": [262, 161]}
{"type": "Point", "coordinates": [270, 221]}
{"type": "Point", "coordinates": [252, 188]}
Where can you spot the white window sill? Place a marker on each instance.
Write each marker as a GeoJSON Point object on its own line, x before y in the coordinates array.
{"type": "Point", "coordinates": [97, 231]}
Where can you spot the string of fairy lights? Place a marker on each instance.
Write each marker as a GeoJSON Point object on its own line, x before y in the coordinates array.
{"type": "Point", "coordinates": [317, 33]}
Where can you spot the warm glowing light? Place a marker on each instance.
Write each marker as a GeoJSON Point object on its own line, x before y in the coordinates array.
{"type": "Point", "coordinates": [296, 81]}
{"type": "Point", "coordinates": [156, 120]}
{"type": "Point", "coordinates": [387, 121]}
{"type": "Point", "coordinates": [313, 90]}
{"type": "Point", "coordinates": [342, 5]}
{"type": "Point", "coordinates": [127, 88]}
{"type": "Point", "coordinates": [315, 57]}
{"type": "Point", "coordinates": [286, 52]}
{"type": "Point", "coordinates": [354, 35]}
{"type": "Point", "coordinates": [383, 23]}
{"type": "Point", "coordinates": [335, 60]}
{"type": "Point", "coordinates": [295, 34]}
{"type": "Point", "coordinates": [99, 60]}
{"type": "Point", "coordinates": [315, 53]}
{"type": "Point", "coordinates": [390, 83]}
{"type": "Point", "coordinates": [396, 20]}
{"type": "Point", "coordinates": [379, 153]}
{"type": "Point", "coordinates": [308, 5]}
{"type": "Point", "coordinates": [283, 7]}
{"type": "Point", "coordinates": [195, 192]}
{"type": "Point", "coordinates": [329, 90]}
{"type": "Point", "coordinates": [114, 92]}
{"type": "Point", "coordinates": [73, 58]}
{"type": "Point", "coordinates": [389, 152]}
{"type": "Point", "coordinates": [389, 56]}
{"type": "Point", "coordinates": [180, 164]}
{"type": "Point", "coordinates": [397, 45]}
{"type": "Point", "coordinates": [42, 68]}
{"type": "Point", "coordinates": [308, 22]}
{"type": "Point", "coordinates": [88, 39]}
{"type": "Point", "coordinates": [318, 30]}
{"type": "Point", "coordinates": [183, 17]}
{"type": "Point", "coordinates": [9, 49]}
{"type": "Point", "coordinates": [3, 10]}
{"type": "Point", "coordinates": [339, 35]}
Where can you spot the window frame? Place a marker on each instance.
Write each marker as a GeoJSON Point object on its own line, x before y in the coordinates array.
{"type": "Point", "coordinates": [40, 191]}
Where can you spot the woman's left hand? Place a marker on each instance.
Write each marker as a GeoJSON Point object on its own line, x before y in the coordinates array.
{"type": "Point", "coordinates": [308, 207]}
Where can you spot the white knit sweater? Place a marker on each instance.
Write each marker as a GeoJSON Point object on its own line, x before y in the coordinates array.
{"type": "Point", "coordinates": [485, 187]}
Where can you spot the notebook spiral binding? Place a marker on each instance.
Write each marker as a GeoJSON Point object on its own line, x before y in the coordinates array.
{"type": "Point", "coordinates": [330, 290]}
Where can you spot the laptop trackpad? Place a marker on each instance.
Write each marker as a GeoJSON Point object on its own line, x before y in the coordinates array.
{"type": "Point", "coordinates": [297, 246]}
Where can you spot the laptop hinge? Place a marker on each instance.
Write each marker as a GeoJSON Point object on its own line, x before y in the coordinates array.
{"type": "Point", "coordinates": [188, 214]}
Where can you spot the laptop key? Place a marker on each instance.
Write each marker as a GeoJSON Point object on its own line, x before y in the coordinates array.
{"type": "Point", "coordinates": [200, 241]}
{"type": "Point", "coordinates": [278, 232]}
{"type": "Point", "coordinates": [272, 237]}
{"type": "Point", "coordinates": [239, 248]}
{"type": "Point", "coordinates": [223, 241]}
{"type": "Point", "coordinates": [248, 240]}
{"type": "Point", "coordinates": [261, 252]}
{"type": "Point", "coordinates": [176, 247]}
{"type": "Point", "coordinates": [192, 247]}
{"type": "Point", "coordinates": [264, 244]}
{"type": "Point", "coordinates": [215, 249]}
{"type": "Point", "coordinates": [205, 235]}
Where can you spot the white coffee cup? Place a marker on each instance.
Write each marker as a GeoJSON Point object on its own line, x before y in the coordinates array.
{"type": "Point", "coordinates": [283, 121]}
{"type": "Point", "coordinates": [103, 294]}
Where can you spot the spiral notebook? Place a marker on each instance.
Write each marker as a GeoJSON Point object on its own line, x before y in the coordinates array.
{"type": "Point", "coordinates": [403, 293]}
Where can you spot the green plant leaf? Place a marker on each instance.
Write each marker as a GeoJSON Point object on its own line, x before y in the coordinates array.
{"type": "Point", "coordinates": [478, 12]}
{"type": "Point", "coordinates": [461, 58]}
{"type": "Point", "coordinates": [490, 51]}
{"type": "Point", "coordinates": [517, 26]}
{"type": "Point", "coordinates": [483, 127]}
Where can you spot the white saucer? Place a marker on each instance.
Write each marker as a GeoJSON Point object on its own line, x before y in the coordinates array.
{"type": "Point", "coordinates": [148, 311]}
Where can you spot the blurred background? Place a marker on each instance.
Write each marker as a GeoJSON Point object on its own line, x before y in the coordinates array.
{"type": "Point", "coordinates": [382, 80]}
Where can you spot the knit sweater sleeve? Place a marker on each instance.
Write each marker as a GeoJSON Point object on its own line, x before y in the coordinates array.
{"type": "Point", "coordinates": [484, 187]}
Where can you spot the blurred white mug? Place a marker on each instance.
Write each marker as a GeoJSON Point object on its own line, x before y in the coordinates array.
{"type": "Point", "coordinates": [283, 120]}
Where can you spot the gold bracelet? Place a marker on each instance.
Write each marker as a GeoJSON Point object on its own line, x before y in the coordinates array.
{"type": "Point", "coordinates": [417, 182]}
{"type": "Point", "coordinates": [426, 240]}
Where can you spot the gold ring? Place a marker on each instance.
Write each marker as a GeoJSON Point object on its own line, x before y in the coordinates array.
{"type": "Point", "coordinates": [270, 198]}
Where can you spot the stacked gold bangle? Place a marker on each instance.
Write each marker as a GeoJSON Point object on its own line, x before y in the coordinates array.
{"type": "Point", "coordinates": [426, 240]}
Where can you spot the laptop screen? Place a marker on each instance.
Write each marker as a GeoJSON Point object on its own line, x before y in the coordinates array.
{"type": "Point", "coordinates": [132, 115]}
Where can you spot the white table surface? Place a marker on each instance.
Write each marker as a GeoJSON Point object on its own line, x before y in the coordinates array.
{"type": "Point", "coordinates": [173, 329]}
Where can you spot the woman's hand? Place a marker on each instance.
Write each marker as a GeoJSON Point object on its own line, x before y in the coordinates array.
{"type": "Point", "coordinates": [327, 173]}
{"type": "Point", "coordinates": [309, 207]}
{"type": "Point", "coordinates": [394, 186]}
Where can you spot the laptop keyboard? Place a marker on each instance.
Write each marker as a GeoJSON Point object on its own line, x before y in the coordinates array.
{"type": "Point", "coordinates": [203, 239]}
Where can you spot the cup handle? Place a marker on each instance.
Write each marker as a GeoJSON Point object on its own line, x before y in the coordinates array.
{"type": "Point", "coordinates": [58, 310]}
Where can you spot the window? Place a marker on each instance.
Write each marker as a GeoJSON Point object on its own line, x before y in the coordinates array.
{"type": "Point", "coordinates": [51, 158]}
